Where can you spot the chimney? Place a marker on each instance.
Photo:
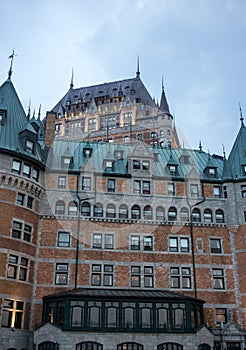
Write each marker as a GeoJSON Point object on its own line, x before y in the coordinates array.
{"type": "Point", "coordinates": [49, 129]}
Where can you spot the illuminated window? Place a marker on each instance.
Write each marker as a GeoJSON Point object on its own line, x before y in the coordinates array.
{"type": "Point", "coordinates": [12, 313]}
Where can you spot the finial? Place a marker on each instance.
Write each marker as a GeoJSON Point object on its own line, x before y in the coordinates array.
{"type": "Point", "coordinates": [162, 84]}
{"type": "Point", "coordinates": [33, 114]}
{"type": "Point", "coordinates": [71, 84]}
{"type": "Point", "coordinates": [39, 112]}
{"type": "Point", "coordinates": [11, 64]}
{"type": "Point", "coordinates": [241, 115]}
{"type": "Point", "coordinates": [138, 72]}
{"type": "Point", "coordinates": [223, 148]}
{"type": "Point", "coordinates": [200, 145]}
{"type": "Point", "coordinates": [29, 110]}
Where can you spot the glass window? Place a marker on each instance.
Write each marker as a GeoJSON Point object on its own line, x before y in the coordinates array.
{"type": "Point", "coordinates": [60, 208]}
{"type": "Point", "coordinates": [148, 243]}
{"type": "Point", "coordinates": [217, 191]}
{"type": "Point", "coordinates": [145, 165]}
{"type": "Point", "coordinates": [160, 213]}
{"type": "Point", "coordinates": [173, 170]}
{"type": "Point", "coordinates": [172, 214]}
{"type": "Point", "coordinates": [243, 190]}
{"type": "Point", "coordinates": [26, 170]}
{"type": "Point", "coordinates": [221, 316]}
{"type": "Point", "coordinates": [148, 277]}
{"type": "Point", "coordinates": [194, 190]}
{"type": "Point", "coordinates": [218, 279]}
{"type": "Point", "coordinates": [20, 199]}
{"type": "Point", "coordinates": [180, 277]}
{"type": "Point", "coordinates": [146, 187]}
{"type": "Point", "coordinates": [208, 216]}
{"type": "Point", "coordinates": [111, 185]}
{"type": "Point", "coordinates": [123, 211]}
{"type": "Point", "coordinates": [72, 209]}
{"type": "Point", "coordinates": [108, 241]}
{"type": "Point", "coordinates": [61, 182]}
{"type": "Point", "coordinates": [29, 146]}
{"type": "Point", "coordinates": [29, 202]}
{"type": "Point", "coordinates": [130, 346]}
{"type": "Point", "coordinates": [102, 275]}
{"type": "Point", "coordinates": [98, 210]}
{"type": "Point", "coordinates": [61, 274]}
{"type": "Point", "coordinates": [148, 213]}
{"type": "Point", "coordinates": [35, 174]}
{"type": "Point", "coordinates": [86, 184]}
{"type": "Point", "coordinates": [135, 212]}
{"type": "Point", "coordinates": [171, 189]}
{"type": "Point", "coordinates": [17, 267]}
{"type": "Point", "coordinates": [173, 244]}
{"type": "Point", "coordinates": [21, 231]}
{"type": "Point", "coordinates": [12, 313]}
{"type": "Point", "coordinates": [135, 276]}
{"type": "Point", "coordinates": [184, 214]}
{"type": "Point", "coordinates": [86, 209]}
{"type": "Point", "coordinates": [110, 211]}
{"type": "Point", "coordinates": [135, 242]}
{"type": "Point", "coordinates": [63, 239]}
{"type": "Point", "coordinates": [89, 346]}
{"type": "Point", "coordinates": [97, 241]}
{"type": "Point", "coordinates": [136, 164]}
{"type": "Point", "coordinates": [215, 245]}
{"type": "Point", "coordinates": [219, 216]}
{"type": "Point", "coordinates": [16, 166]}
{"type": "Point", "coordinates": [137, 186]}
{"type": "Point", "coordinates": [196, 215]}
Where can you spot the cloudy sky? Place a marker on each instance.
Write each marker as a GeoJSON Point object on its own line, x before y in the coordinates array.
{"type": "Point", "coordinates": [198, 46]}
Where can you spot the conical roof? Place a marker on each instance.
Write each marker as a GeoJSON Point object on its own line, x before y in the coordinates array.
{"type": "Point", "coordinates": [163, 104]}
{"type": "Point", "coordinates": [237, 157]}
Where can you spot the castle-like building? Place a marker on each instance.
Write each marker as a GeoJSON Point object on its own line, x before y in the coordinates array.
{"type": "Point", "coordinates": [112, 236]}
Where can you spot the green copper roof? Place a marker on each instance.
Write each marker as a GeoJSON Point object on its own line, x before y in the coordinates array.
{"type": "Point", "coordinates": [237, 157]}
{"type": "Point", "coordinates": [14, 124]}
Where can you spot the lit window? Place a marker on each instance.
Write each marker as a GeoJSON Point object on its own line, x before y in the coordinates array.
{"type": "Point", "coordinates": [221, 316]}
{"type": "Point", "coordinates": [62, 182]}
{"type": "Point", "coordinates": [17, 267]}
{"type": "Point", "coordinates": [218, 279]}
{"type": "Point", "coordinates": [12, 313]}
{"type": "Point", "coordinates": [63, 239]}
{"type": "Point", "coordinates": [61, 274]}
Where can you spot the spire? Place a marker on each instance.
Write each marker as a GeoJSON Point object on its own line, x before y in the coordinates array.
{"type": "Point", "coordinates": [241, 115]}
{"type": "Point", "coordinates": [39, 112]}
{"type": "Point", "coordinates": [71, 84]}
{"type": "Point", "coordinates": [200, 145]}
{"type": "Point", "coordinates": [138, 72]}
{"type": "Point", "coordinates": [29, 110]}
{"type": "Point", "coordinates": [224, 153]}
{"type": "Point", "coordinates": [164, 105]}
{"type": "Point", "coordinates": [11, 64]}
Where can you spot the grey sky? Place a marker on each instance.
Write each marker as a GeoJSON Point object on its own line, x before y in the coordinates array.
{"type": "Point", "coordinates": [197, 45]}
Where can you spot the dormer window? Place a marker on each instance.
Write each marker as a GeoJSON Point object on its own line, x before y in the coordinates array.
{"type": "Point", "coordinates": [212, 172]}
{"type": "Point", "coordinates": [153, 135]}
{"type": "Point", "coordinates": [136, 164]}
{"type": "Point", "coordinates": [244, 169]}
{"type": "Point", "coordinates": [3, 114]}
{"type": "Point", "coordinates": [66, 161]}
{"type": "Point", "coordinates": [108, 165]}
{"type": "Point", "coordinates": [29, 146]}
{"type": "Point", "coordinates": [173, 169]}
{"type": "Point", "coordinates": [87, 152]}
{"type": "Point", "coordinates": [145, 165]}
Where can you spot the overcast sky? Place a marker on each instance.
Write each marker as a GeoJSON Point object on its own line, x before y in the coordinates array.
{"type": "Point", "coordinates": [198, 46]}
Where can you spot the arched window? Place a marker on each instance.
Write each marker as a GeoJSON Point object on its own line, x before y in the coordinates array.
{"type": "Point", "coordinates": [160, 213]}
{"type": "Point", "coordinates": [219, 216]}
{"type": "Point", "coordinates": [179, 316]}
{"type": "Point", "coordinates": [170, 346]}
{"type": "Point", "coordinates": [47, 345]}
{"type": "Point", "coordinates": [196, 215]}
{"type": "Point", "coordinates": [136, 212]}
{"type": "Point", "coordinates": [208, 218]}
{"type": "Point", "coordinates": [60, 208]}
{"type": "Point", "coordinates": [98, 210]}
{"type": "Point", "coordinates": [162, 313]}
{"type": "Point", "coordinates": [110, 211]}
{"type": "Point", "coordinates": [148, 213]}
{"type": "Point", "coordinates": [72, 209]}
{"type": "Point", "coordinates": [123, 211]}
{"type": "Point", "coordinates": [130, 346]}
{"type": "Point", "coordinates": [77, 312]}
{"type": "Point", "coordinates": [86, 209]}
{"type": "Point", "coordinates": [205, 346]}
{"type": "Point", "coordinates": [184, 214]}
{"type": "Point", "coordinates": [89, 345]}
{"type": "Point", "coordinates": [172, 214]}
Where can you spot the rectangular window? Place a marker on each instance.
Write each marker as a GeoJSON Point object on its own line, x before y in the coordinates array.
{"type": "Point", "coordinates": [61, 274]}
{"type": "Point", "coordinates": [29, 202]}
{"type": "Point", "coordinates": [26, 170]}
{"type": "Point", "coordinates": [21, 231]}
{"type": "Point", "coordinates": [243, 189]}
{"type": "Point", "coordinates": [217, 191]}
{"type": "Point", "coordinates": [35, 174]}
{"type": "Point", "coordinates": [194, 190]}
{"type": "Point", "coordinates": [135, 276]}
{"type": "Point", "coordinates": [20, 199]}
{"type": "Point", "coordinates": [16, 166]}
{"type": "Point", "coordinates": [142, 276]}
{"type": "Point", "coordinates": [137, 186]}
{"type": "Point", "coordinates": [29, 146]}
{"type": "Point", "coordinates": [180, 277]}
{"type": "Point", "coordinates": [171, 189]}
{"type": "Point", "coordinates": [135, 242]}
{"type": "Point", "coordinates": [63, 239]}
{"type": "Point", "coordinates": [218, 279]}
{"type": "Point", "coordinates": [17, 267]}
{"type": "Point", "coordinates": [61, 182]}
{"type": "Point", "coordinates": [148, 277]}
{"type": "Point", "coordinates": [108, 241]}
{"type": "Point", "coordinates": [97, 241]}
{"type": "Point", "coordinates": [111, 185]}
{"type": "Point", "coordinates": [12, 313]}
{"type": "Point", "coordinates": [173, 170]}
{"type": "Point", "coordinates": [136, 164]}
{"type": "Point", "coordinates": [148, 243]}
{"type": "Point", "coordinates": [221, 316]}
{"type": "Point", "coordinates": [86, 184]}
{"type": "Point", "coordinates": [102, 275]}
{"type": "Point", "coordinates": [179, 244]}
{"type": "Point", "coordinates": [145, 165]}
{"type": "Point", "coordinates": [146, 187]}
{"type": "Point", "coordinates": [215, 246]}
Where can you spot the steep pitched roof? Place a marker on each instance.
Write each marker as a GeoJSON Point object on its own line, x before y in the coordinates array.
{"type": "Point", "coordinates": [163, 104]}
{"type": "Point", "coordinates": [237, 157]}
{"type": "Point", "coordinates": [14, 122]}
{"type": "Point", "coordinates": [133, 88]}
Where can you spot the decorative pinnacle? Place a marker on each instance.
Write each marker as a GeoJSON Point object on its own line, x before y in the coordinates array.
{"type": "Point", "coordinates": [241, 115]}
{"type": "Point", "coordinates": [138, 72]}
{"type": "Point", "coordinates": [200, 145]}
{"type": "Point", "coordinates": [11, 64]}
{"type": "Point", "coordinates": [71, 84]}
